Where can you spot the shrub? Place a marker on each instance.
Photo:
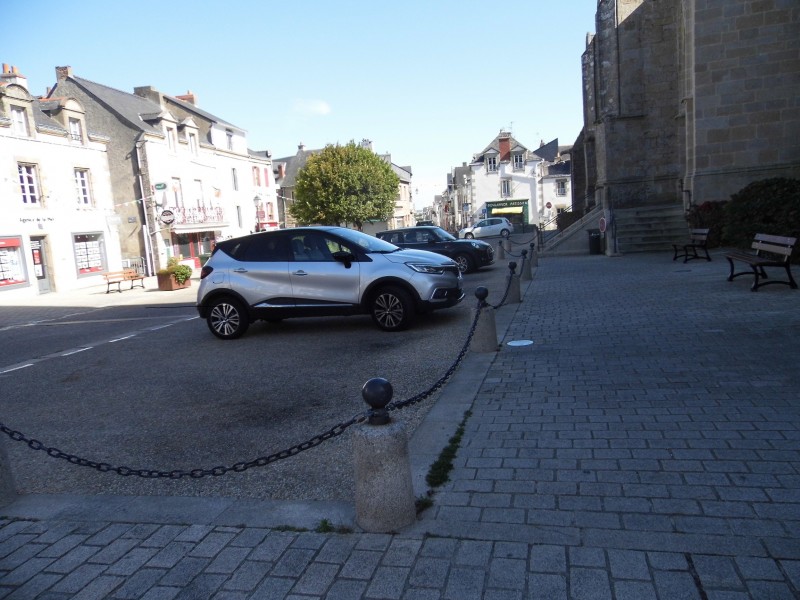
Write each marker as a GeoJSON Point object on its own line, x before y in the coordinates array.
{"type": "Point", "coordinates": [708, 215]}
{"type": "Point", "coordinates": [768, 206]}
{"type": "Point", "coordinates": [179, 271]}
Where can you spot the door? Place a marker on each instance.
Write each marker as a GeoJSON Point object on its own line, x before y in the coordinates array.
{"type": "Point", "coordinates": [317, 278]}
{"type": "Point", "coordinates": [40, 261]}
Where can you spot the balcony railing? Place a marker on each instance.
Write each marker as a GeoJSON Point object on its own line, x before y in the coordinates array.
{"type": "Point", "coordinates": [192, 216]}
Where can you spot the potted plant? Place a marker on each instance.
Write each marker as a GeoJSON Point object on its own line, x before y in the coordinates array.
{"type": "Point", "coordinates": [175, 276]}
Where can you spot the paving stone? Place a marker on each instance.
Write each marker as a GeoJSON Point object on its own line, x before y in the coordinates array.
{"type": "Point", "coordinates": [589, 584]}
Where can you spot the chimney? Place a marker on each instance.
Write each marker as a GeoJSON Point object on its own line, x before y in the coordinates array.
{"type": "Point", "coordinates": [188, 97]}
{"type": "Point", "coordinates": [63, 73]}
{"type": "Point", "coordinates": [301, 147]}
{"type": "Point", "coordinates": [148, 92]}
{"type": "Point", "coordinates": [505, 148]}
{"type": "Point", "coordinates": [281, 170]}
{"type": "Point", "coordinates": [11, 75]}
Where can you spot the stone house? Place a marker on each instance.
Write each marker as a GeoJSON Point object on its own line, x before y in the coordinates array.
{"type": "Point", "coordinates": [181, 177]}
{"type": "Point", "coordinates": [58, 229]}
{"type": "Point", "coordinates": [685, 101]}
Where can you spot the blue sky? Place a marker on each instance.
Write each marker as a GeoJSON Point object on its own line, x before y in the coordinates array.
{"type": "Point", "coordinates": [430, 82]}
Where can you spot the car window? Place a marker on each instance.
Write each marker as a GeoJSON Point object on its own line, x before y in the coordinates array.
{"type": "Point", "coordinates": [262, 248]}
{"type": "Point", "coordinates": [441, 234]}
{"type": "Point", "coordinates": [483, 223]}
{"type": "Point", "coordinates": [312, 246]}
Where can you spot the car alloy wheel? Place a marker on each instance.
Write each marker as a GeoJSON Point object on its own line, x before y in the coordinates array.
{"type": "Point", "coordinates": [468, 236]}
{"type": "Point", "coordinates": [464, 262]}
{"type": "Point", "coordinates": [227, 319]}
{"type": "Point", "coordinates": [505, 233]}
{"type": "Point", "coordinates": [392, 309]}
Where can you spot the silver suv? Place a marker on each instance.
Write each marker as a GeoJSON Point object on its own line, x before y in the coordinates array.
{"type": "Point", "coordinates": [321, 271]}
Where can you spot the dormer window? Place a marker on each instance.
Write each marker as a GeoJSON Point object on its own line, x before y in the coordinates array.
{"type": "Point", "coordinates": [491, 164]}
{"type": "Point", "coordinates": [193, 143]}
{"type": "Point", "coordinates": [171, 139]}
{"type": "Point", "coordinates": [229, 137]}
{"type": "Point", "coordinates": [75, 130]}
{"type": "Point", "coordinates": [19, 121]}
{"type": "Point", "coordinates": [519, 162]}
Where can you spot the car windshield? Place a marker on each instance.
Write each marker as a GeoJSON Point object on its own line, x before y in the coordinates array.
{"type": "Point", "coordinates": [443, 235]}
{"type": "Point", "coordinates": [367, 242]}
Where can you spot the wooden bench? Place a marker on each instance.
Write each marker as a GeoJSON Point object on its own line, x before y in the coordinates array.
{"type": "Point", "coordinates": [698, 238]}
{"type": "Point", "coordinates": [770, 251]}
{"type": "Point", "coordinates": [117, 277]}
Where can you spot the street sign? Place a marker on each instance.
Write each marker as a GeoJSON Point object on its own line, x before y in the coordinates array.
{"type": "Point", "coordinates": [549, 205]}
{"type": "Point", "coordinates": [161, 186]}
{"type": "Point", "coordinates": [602, 224]}
{"type": "Point", "coordinates": [167, 217]}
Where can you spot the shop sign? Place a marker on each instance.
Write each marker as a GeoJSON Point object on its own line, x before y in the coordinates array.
{"type": "Point", "coordinates": [167, 217]}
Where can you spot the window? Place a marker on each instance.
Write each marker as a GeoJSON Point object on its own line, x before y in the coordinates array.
{"type": "Point", "coordinates": [177, 192]}
{"type": "Point", "coordinates": [266, 177]}
{"type": "Point", "coordinates": [82, 187]}
{"type": "Point", "coordinates": [89, 253]}
{"type": "Point", "coordinates": [491, 164]}
{"type": "Point", "coordinates": [29, 184]}
{"type": "Point", "coordinates": [75, 130]}
{"type": "Point", "coordinates": [561, 187]}
{"type": "Point", "coordinates": [19, 121]}
{"type": "Point", "coordinates": [193, 143]}
{"type": "Point", "coordinates": [171, 143]}
{"type": "Point", "coordinates": [229, 139]}
{"type": "Point", "coordinates": [505, 188]}
{"type": "Point", "coordinates": [234, 180]}
{"type": "Point", "coordinates": [198, 193]}
{"type": "Point", "coordinates": [12, 263]}
{"type": "Point", "coordinates": [519, 163]}
{"type": "Point", "coordinates": [256, 177]}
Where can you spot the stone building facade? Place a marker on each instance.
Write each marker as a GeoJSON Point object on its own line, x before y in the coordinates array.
{"type": "Point", "coordinates": [687, 101]}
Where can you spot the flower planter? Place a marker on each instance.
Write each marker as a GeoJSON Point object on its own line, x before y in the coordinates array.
{"type": "Point", "coordinates": [167, 282]}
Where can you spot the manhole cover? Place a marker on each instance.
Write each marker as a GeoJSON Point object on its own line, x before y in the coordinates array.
{"type": "Point", "coordinates": [519, 343]}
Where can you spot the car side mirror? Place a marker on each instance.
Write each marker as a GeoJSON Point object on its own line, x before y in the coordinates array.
{"type": "Point", "coordinates": [346, 258]}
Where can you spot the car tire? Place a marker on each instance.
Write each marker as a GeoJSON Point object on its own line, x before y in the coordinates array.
{"type": "Point", "coordinates": [468, 236]}
{"type": "Point", "coordinates": [227, 318]}
{"type": "Point", "coordinates": [392, 309]}
{"type": "Point", "coordinates": [505, 233]}
{"type": "Point", "coordinates": [464, 262]}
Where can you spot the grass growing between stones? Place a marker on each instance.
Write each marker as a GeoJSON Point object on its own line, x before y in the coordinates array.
{"type": "Point", "coordinates": [439, 472]}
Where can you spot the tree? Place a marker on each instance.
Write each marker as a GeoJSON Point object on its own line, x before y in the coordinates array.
{"type": "Point", "coordinates": [344, 184]}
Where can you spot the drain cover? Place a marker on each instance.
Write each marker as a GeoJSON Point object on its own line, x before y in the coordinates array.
{"type": "Point", "coordinates": [519, 343]}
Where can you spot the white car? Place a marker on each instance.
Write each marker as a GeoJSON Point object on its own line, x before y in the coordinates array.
{"type": "Point", "coordinates": [492, 226]}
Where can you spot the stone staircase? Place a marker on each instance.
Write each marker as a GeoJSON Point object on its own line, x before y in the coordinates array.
{"type": "Point", "coordinates": [650, 228]}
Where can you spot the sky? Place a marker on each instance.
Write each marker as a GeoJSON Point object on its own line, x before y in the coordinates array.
{"type": "Point", "coordinates": [431, 82]}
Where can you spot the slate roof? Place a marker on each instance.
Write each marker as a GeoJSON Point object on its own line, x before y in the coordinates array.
{"type": "Point", "coordinates": [494, 147]}
{"type": "Point", "coordinates": [549, 151]}
{"type": "Point", "coordinates": [293, 166]}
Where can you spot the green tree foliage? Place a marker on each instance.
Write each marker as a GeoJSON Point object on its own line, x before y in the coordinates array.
{"type": "Point", "coordinates": [768, 206]}
{"type": "Point", "coordinates": [344, 185]}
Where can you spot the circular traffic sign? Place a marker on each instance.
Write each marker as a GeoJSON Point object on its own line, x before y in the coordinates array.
{"type": "Point", "coordinates": [602, 224]}
{"type": "Point", "coordinates": [167, 217]}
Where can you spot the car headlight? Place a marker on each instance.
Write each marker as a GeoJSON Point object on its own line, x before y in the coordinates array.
{"type": "Point", "coordinates": [426, 268]}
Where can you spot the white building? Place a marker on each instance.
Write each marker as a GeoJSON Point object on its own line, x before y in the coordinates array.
{"type": "Point", "coordinates": [58, 229]}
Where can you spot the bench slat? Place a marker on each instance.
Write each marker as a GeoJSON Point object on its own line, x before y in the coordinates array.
{"type": "Point", "coordinates": [776, 246]}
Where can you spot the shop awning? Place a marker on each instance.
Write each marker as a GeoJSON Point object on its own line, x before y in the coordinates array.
{"type": "Point", "coordinates": [507, 210]}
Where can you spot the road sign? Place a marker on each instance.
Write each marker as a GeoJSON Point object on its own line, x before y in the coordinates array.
{"type": "Point", "coordinates": [161, 186]}
{"type": "Point", "coordinates": [602, 224]}
{"type": "Point", "coordinates": [167, 217]}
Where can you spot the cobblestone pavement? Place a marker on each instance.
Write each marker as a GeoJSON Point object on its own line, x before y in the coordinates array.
{"type": "Point", "coordinates": [644, 446]}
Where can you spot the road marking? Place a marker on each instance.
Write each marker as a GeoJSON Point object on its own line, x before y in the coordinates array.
{"type": "Point", "coordinates": [71, 352]}
{"type": "Point", "coordinates": [127, 337]}
{"type": "Point", "coordinates": [16, 368]}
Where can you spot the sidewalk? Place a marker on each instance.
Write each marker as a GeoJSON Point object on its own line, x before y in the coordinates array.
{"type": "Point", "coordinates": [644, 446]}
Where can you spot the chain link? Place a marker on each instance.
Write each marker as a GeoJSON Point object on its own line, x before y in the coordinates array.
{"type": "Point", "coordinates": [262, 461]}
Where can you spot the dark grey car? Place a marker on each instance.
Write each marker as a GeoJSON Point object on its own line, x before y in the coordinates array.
{"type": "Point", "coordinates": [470, 255]}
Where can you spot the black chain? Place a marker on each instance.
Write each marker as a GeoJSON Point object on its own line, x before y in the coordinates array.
{"type": "Point", "coordinates": [505, 294]}
{"type": "Point", "coordinates": [239, 467]}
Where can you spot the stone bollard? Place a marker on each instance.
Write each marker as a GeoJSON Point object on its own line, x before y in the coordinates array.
{"type": "Point", "coordinates": [525, 270]}
{"type": "Point", "coordinates": [484, 339]}
{"type": "Point", "coordinates": [384, 492]}
{"type": "Point", "coordinates": [507, 243]}
{"type": "Point", "coordinates": [534, 256]}
{"type": "Point", "coordinates": [501, 251]}
{"type": "Point", "coordinates": [513, 296]}
{"type": "Point", "coordinates": [8, 492]}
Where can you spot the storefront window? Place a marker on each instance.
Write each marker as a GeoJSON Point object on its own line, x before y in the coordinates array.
{"type": "Point", "coordinates": [12, 265]}
{"type": "Point", "coordinates": [90, 253]}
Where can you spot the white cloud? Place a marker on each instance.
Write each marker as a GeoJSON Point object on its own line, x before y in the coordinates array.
{"type": "Point", "coordinates": [311, 108]}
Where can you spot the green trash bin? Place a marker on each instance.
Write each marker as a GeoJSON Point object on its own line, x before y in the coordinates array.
{"type": "Point", "coordinates": [595, 241]}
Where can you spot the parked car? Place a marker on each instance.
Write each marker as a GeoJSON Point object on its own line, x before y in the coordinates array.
{"type": "Point", "coordinates": [469, 255]}
{"type": "Point", "coordinates": [321, 271]}
{"type": "Point", "coordinates": [422, 223]}
{"type": "Point", "coordinates": [492, 226]}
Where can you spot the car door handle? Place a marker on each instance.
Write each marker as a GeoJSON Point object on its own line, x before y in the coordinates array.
{"type": "Point", "coordinates": [240, 270]}
{"type": "Point", "coordinates": [301, 273]}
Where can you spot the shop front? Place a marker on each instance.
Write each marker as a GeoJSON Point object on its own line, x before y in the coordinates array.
{"type": "Point", "coordinates": [515, 211]}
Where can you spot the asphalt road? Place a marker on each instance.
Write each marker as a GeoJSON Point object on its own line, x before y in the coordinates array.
{"type": "Point", "coordinates": [149, 387]}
